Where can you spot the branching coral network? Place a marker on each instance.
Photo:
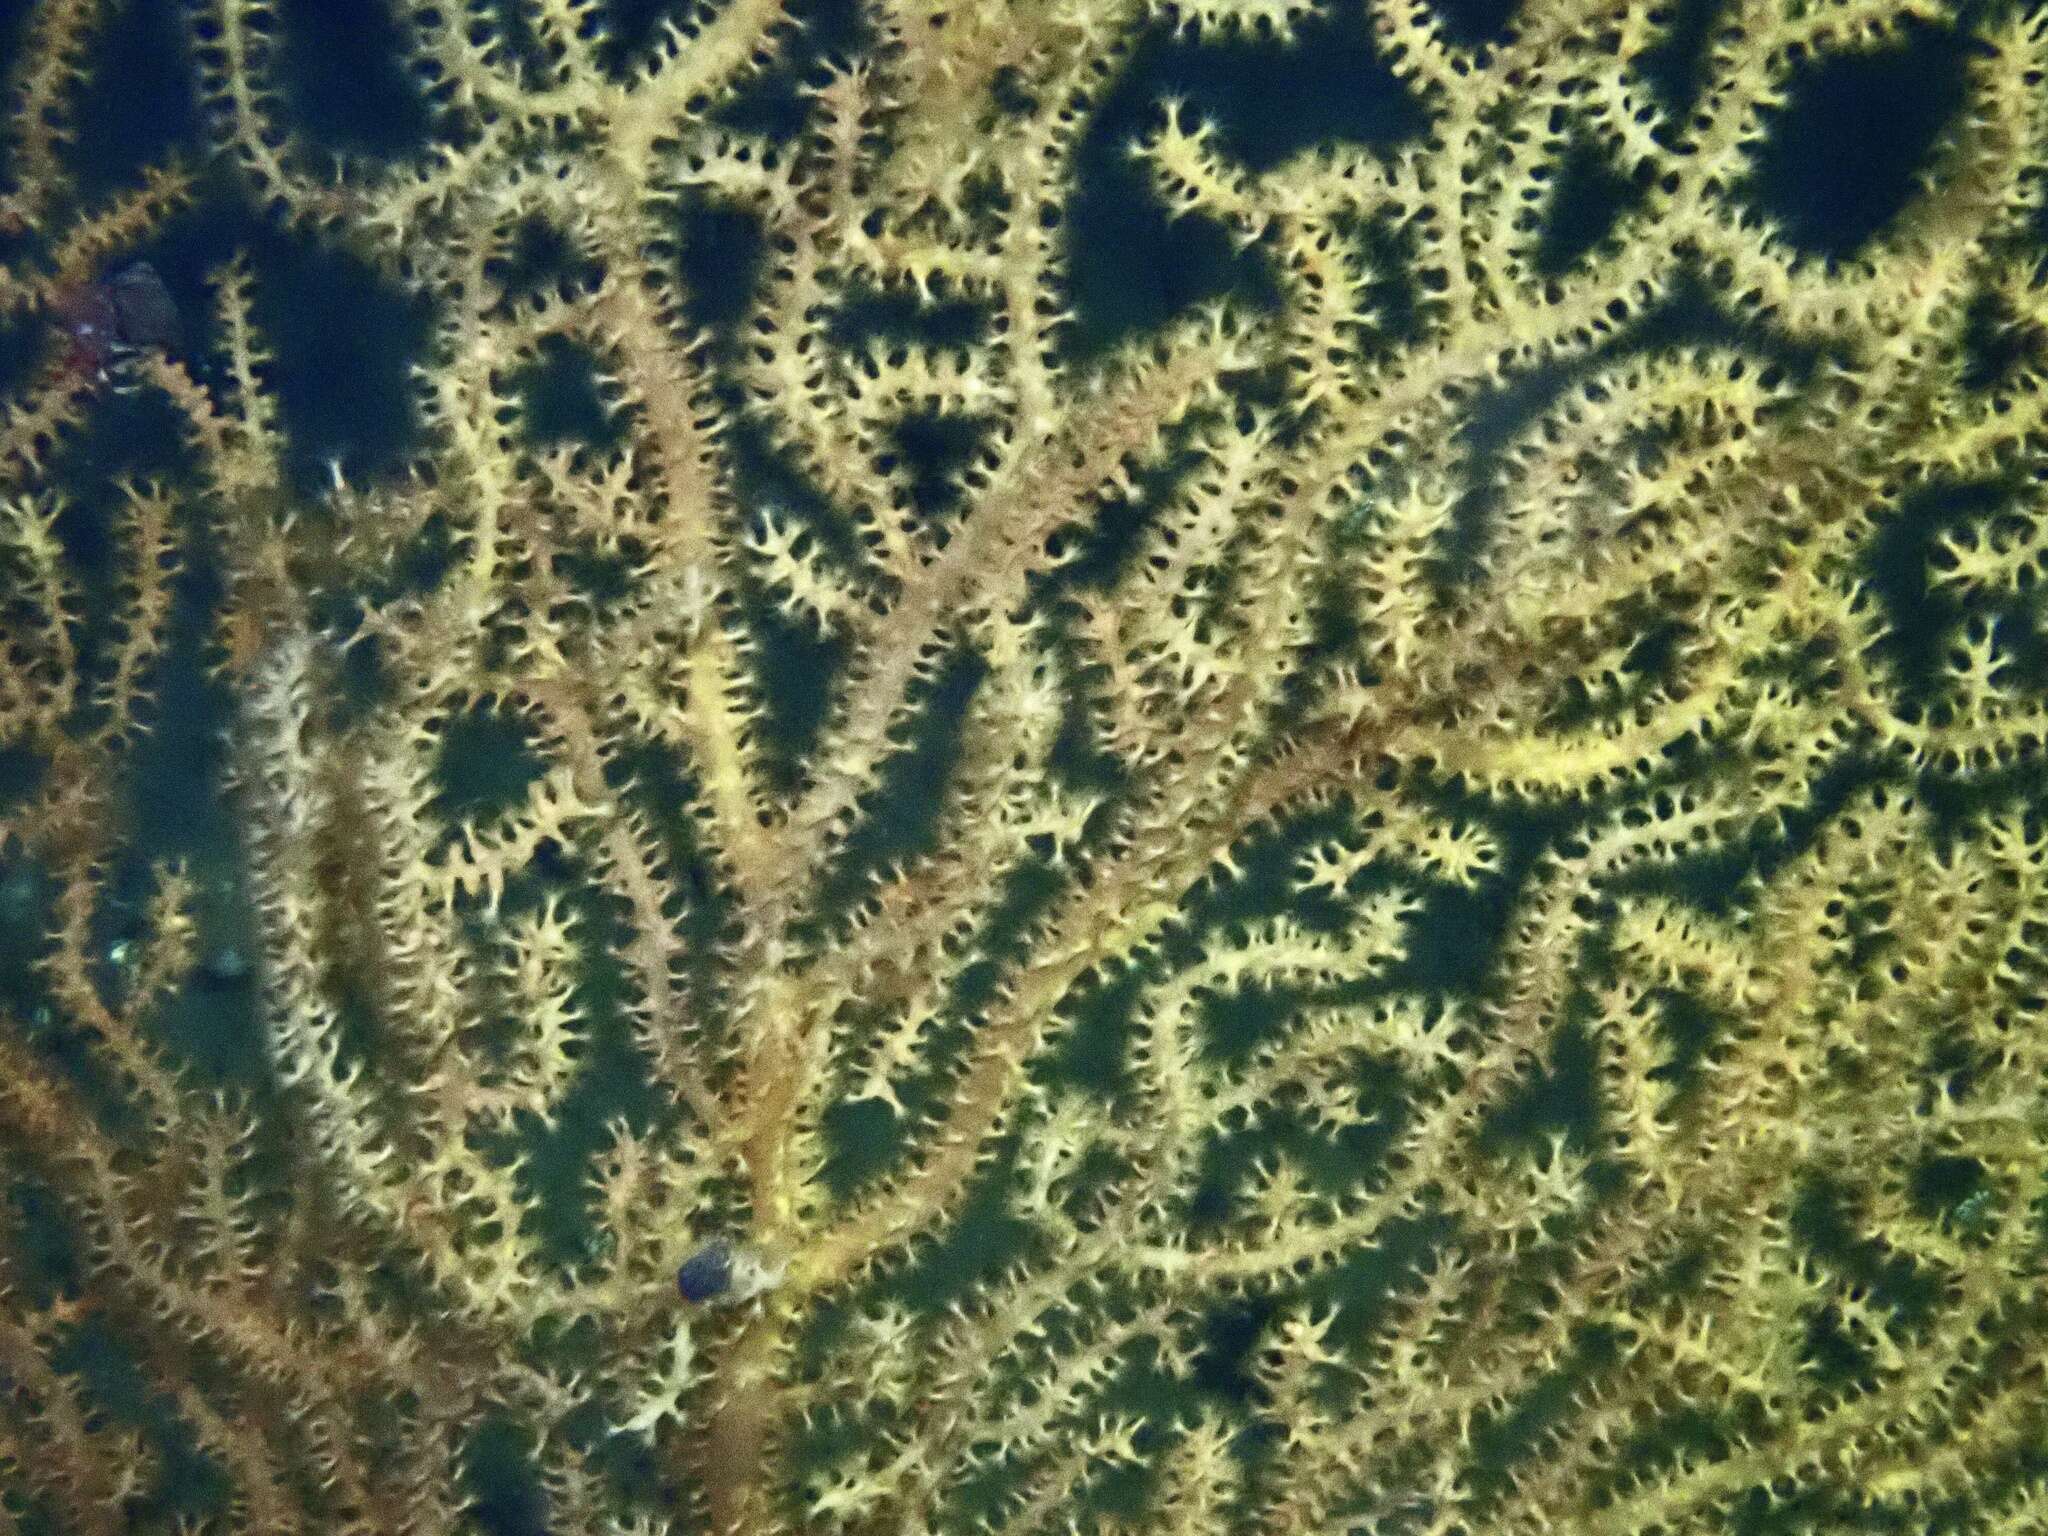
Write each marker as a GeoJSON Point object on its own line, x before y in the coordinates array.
{"type": "Point", "coordinates": [1407, 902]}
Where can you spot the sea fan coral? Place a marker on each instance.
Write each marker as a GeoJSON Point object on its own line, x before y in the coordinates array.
{"type": "Point", "coordinates": [1300, 827]}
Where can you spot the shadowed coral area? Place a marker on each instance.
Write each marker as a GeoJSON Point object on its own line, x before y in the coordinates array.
{"type": "Point", "coordinates": [870, 766]}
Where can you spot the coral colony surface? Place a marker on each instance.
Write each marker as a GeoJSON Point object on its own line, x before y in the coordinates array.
{"type": "Point", "coordinates": [1073, 765]}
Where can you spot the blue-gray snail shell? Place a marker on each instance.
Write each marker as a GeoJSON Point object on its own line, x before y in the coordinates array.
{"type": "Point", "coordinates": [706, 1273]}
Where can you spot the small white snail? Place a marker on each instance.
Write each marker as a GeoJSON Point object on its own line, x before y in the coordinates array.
{"type": "Point", "coordinates": [725, 1272]}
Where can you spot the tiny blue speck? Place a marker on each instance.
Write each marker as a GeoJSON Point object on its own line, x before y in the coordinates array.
{"type": "Point", "coordinates": [705, 1273]}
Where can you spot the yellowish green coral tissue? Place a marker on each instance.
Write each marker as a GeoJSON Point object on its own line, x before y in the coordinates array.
{"type": "Point", "coordinates": [894, 767]}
